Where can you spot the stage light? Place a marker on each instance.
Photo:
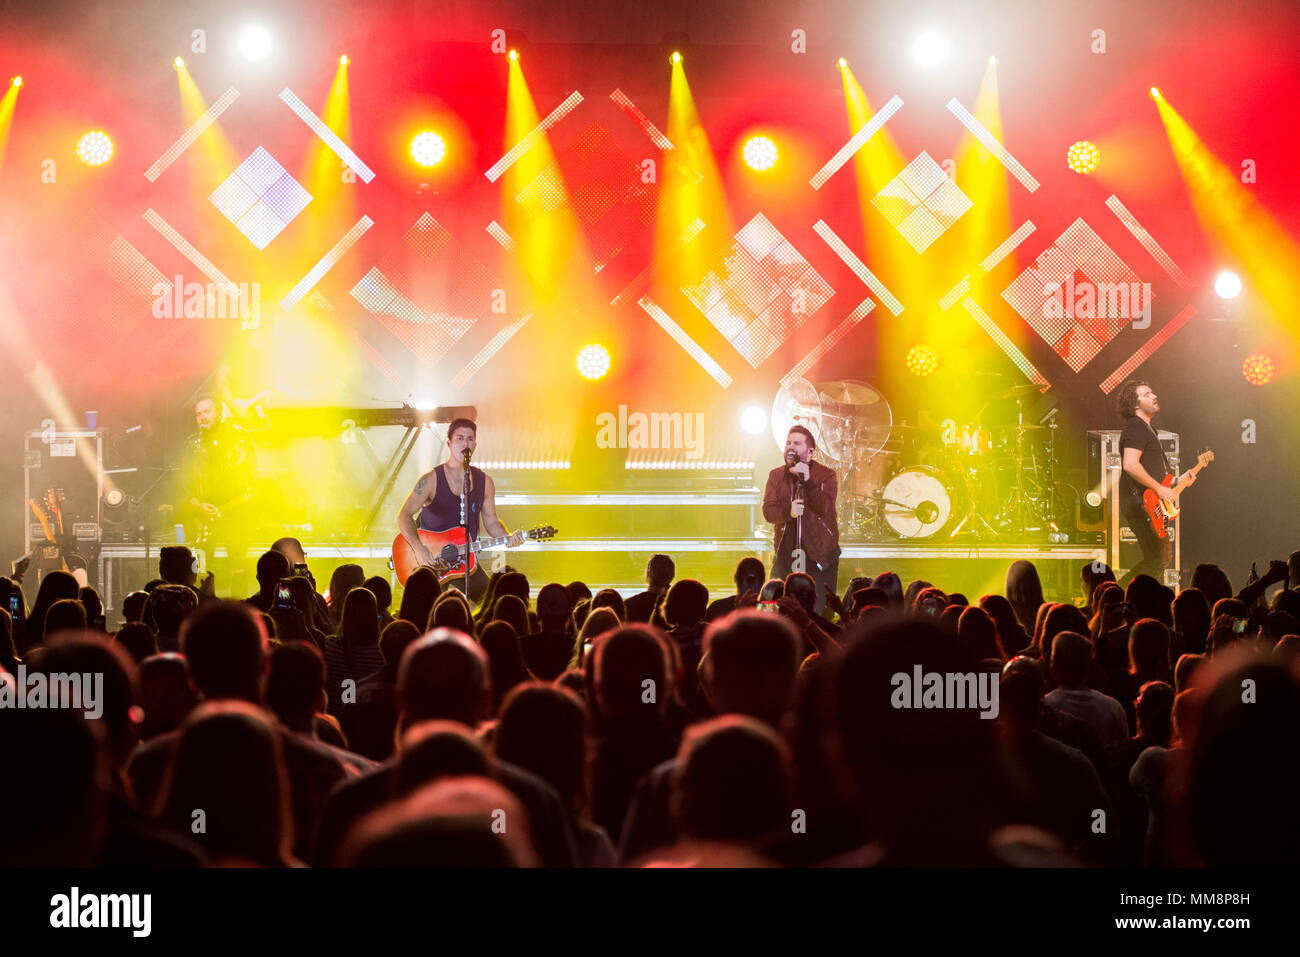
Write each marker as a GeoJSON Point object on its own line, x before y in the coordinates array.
{"type": "Point", "coordinates": [753, 420]}
{"type": "Point", "coordinates": [930, 49]}
{"type": "Point", "coordinates": [428, 149]}
{"type": "Point", "coordinates": [922, 360]}
{"type": "Point", "coordinates": [179, 63]}
{"type": "Point", "coordinates": [114, 497]}
{"type": "Point", "coordinates": [1228, 285]}
{"type": "Point", "coordinates": [255, 44]}
{"type": "Point", "coordinates": [95, 148]}
{"type": "Point", "coordinates": [343, 60]}
{"type": "Point", "coordinates": [593, 362]}
{"type": "Point", "coordinates": [993, 61]}
{"type": "Point", "coordinates": [18, 81]}
{"type": "Point", "coordinates": [760, 153]}
{"type": "Point", "coordinates": [1154, 92]}
{"type": "Point", "coordinates": [1258, 369]}
{"type": "Point", "coordinates": [514, 54]}
{"type": "Point", "coordinates": [676, 57]}
{"type": "Point", "coordinates": [843, 63]}
{"type": "Point", "coordinates": [1083, 157]}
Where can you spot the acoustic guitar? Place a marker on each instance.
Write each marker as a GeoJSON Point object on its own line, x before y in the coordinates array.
{"type": "Point", "coordinates": [451, 552]}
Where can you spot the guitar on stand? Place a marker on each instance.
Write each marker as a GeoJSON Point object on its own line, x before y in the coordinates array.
{"type": "Point", "coordinates": [1162, 513]}
{"type": "Point", "coordinates": [55, 554]}
{"type": "Point", "coordinates": [454, 557]}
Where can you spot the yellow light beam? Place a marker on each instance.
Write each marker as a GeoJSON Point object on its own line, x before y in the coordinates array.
{"type": "Point", "coordinates": [690, 188]}
{"type": "Point", "coordinates": [7, 104]}
{"type": "Point", "coordinates": [216, 157]}
{"type": "Point", "coordinates": [1241, 228]}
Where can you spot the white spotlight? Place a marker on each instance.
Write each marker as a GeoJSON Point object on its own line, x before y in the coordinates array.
{"type": "Point", "coordinates": [930, 49]}
{"type": "Point", "coordinates": [1228, 285]}
{"type": "Point", "coordinates": [753, 420]}
{"type": "Point", "coordinates": [255, 44]}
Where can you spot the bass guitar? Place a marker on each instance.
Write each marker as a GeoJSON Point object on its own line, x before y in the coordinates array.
{"type": "Point", "coordinates": [1163, 513]}
{"type": "Point", "coordinates": [451, 551]}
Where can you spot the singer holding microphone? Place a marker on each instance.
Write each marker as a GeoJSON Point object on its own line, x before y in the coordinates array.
{"type": "Point", "coordinates": [438, 498]}
{"type": "Point", "coordinates": [800, 501]}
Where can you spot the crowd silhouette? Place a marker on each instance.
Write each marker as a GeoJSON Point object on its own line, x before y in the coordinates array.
{"type": "Point", "coordinates": [561, 726]}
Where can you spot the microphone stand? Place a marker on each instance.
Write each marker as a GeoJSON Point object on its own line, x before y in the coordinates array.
{"type": "Point", "coordinates": [797, 496]}
{"type": "Point", "coordinates": [464, 517]}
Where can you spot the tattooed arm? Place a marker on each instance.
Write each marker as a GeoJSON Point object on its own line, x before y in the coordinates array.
{"type": "Point", "coordinates": [420, 496]}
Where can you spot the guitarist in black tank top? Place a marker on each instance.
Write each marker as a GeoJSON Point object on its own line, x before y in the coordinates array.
{"type": "Point", "coordinates": [436, 499]}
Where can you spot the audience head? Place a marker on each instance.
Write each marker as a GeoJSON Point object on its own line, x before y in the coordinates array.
{"type": "Point", "coordinates": [803, 588]}
{"type": "Point", "coordinates": [554, 607]}
{"type": "Point", "coordinates": [452, 610]}
{"type": "Point", "coordinates": [228, 760]}
{"type": "Point", "coordinates": [543, 729]}
{"type": "Point", "coordinates": [167, 694]}
{"type": "Point", "coordinates": [659, 572]}
{"type": "Point", "coordinates": [903, 765]}
{"type": "Point", "coordinates": [1209, 579]}
{"type": "Point", "coordinates": [450, 823]}
{"type": "Point", "coordinates": [177, 565]}
{"type": "Point", "coordinates": [66, 614]}
{"type": "Point", "coordinates": [1191, 619]}
{"type": "Point", "coordinates": [1071, 652]}
{"type": "Point", "coordinates": [1093, 574]}
{"type": "Point", "coordinates": [505, 659]}
{"type": "Point", "coordinates": [749, 665]}
{"type": "Point", "coordinates": [291, 549]}
{"type": "Point", "coordinates": [609, 598]}
{"type": "Point", "coordinates": [749, 575]}
{"type": "Point", "coordinates": [1154, 709]}
{"type": "Point", "coordinates": [444, 676]}
{"type": "Point", "coordinates": [133, 606]}
{"type": "Point", "coordinates": [1148, 650]}
{"type": "Point", "coordinates": [1148, 598]}
{"type": "Point", "coordinates": [138, 640]}
{"type": "Point", "coordinates": [685, 603]}
{"type": "Point", "coordinates": [1185, 671]}
{"type": "Point", "coordinates": [359, 626]}
{"type": "Point", "coordinates": [226, 648]}
{"type": "Point", "coordinates": [343, 580]}
{"type": "Point", "coordinates": [599, 622]}
{"type": "Point", "coordinates": [295, 687]}
{"type": "Point", "coordinates": [733, 783]}
{"type": "Point", "coordinates": [892, 586]}
{"type": "Point", "coordinates": [978, 634]}
{"type": "Point", "coordinates": [394, 640]}
{"type": "Point", "coordinates": [1242, 785]}
{"type": "Point", "coordinates": [169, 606]}
{"type": "Point", "coordinates": [632, 674]}
{"type": "Point", "coordinates": [512, 609]}
{"type": "Point", "coordinates": [271, 567]}
{"type": "Point", "coordinates": [378, 586]}
{"type": "Point", "coordinates": [422, 590]}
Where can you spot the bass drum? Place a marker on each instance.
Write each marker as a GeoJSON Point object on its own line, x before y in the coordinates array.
{"type": "Point", "coordinates": [919, 503]}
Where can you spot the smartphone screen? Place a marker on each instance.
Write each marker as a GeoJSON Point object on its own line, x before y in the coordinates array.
{"type": "Point", "coordinates": [15, 602]}
{"type": "Point", "coordinates": [770, 607]}
{"type": "Point", "coordinates": [1239, 626]}
{"type": "Point", "coordinates": [283, 595]}
{"type": "Point", "coordinates": [300, 570]}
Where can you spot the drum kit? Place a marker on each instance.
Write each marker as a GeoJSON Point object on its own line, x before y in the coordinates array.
{"type": "Point", "coordinates": [990, 479]}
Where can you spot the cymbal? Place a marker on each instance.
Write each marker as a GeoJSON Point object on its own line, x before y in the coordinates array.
{"type": "Point", "coordinates": [850, 392]}
{"type": "Point", "coordinates": [1025, 428]}
{"type": "Point", "coordinates": [855, 419]}
{"type": "Point", "coordinates": [1021, 391]}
